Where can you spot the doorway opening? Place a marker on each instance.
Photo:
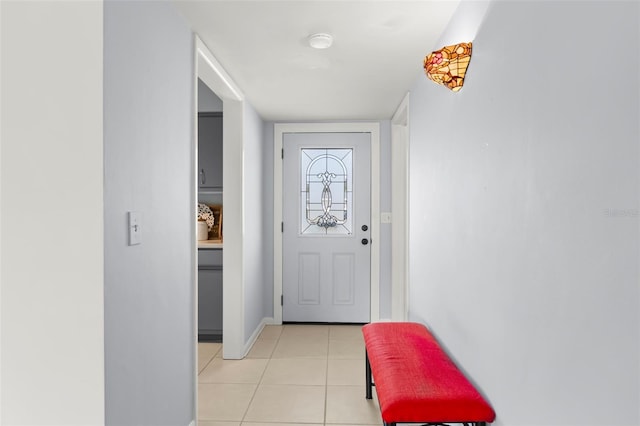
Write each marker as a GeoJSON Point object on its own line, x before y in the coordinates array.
{"type": "Point", "coordinates": [373, 233]}
{"type": "Point", "coordinates": [213, 75]}
{"type": "Point", "coordinates": [327, 227]}
{"type": "Point", "coordinates": [209, 234]}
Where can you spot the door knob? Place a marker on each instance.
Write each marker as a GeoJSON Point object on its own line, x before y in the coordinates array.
{"type": "Point", "coordinates": [365, 241]}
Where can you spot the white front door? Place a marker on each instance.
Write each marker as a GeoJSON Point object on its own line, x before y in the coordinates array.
{"type": "Point", "coordinates": [326, 227]}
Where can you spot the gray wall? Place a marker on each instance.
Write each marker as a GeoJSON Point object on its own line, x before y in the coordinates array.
{"type": "Point", "coordinates": [148, 119]}
{"type": "Point", "coordinates": [524, 211]}
{"type": "Point", "coordinates": [254, 259]}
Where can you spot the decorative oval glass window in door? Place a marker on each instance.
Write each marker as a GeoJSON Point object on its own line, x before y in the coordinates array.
{"type": "Point", "coordinates": [326, 191]}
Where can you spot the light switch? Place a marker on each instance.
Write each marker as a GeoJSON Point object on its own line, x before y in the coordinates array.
{"type": "Point", "coordinates": [134, 228]}
{"type": "Point", "coordinates": [385, 217]}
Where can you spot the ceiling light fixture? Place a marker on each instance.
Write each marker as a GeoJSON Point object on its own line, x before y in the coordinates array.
{"type": "Point", "coordinates": [320, 40]}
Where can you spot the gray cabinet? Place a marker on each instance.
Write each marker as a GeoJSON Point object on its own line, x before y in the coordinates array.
{"type": "Point", "coordinates": [210, 151]}
{"type": "Point", "coordinates": [210, 294]}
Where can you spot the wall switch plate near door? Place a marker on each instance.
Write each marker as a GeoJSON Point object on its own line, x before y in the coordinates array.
{"type": "Point", "coordinates": [135, 234]}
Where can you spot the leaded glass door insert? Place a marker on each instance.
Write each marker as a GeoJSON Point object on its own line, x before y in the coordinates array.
{"type": "Point", "coordinates": [326, 191]}
{"type": "Point", "coordinates": [326, 216]}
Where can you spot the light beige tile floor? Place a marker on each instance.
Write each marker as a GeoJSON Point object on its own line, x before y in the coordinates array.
{"type": "Point", "coordinates": [295, 375]}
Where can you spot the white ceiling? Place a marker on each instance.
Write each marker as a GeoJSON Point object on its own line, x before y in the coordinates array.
{"type": "Point", "coordinates": [376, 55]}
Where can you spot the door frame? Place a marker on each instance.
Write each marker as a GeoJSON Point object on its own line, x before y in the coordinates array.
{"type": "Point", "coordinates": [209, 70]}
{"type": "Point", "coordinates": [400, 210]}
{"type": "Point", "coordinates": [279, 129]}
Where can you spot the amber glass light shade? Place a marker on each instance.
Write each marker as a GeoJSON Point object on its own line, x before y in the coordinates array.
{"type": "Point", "coordinates": [448, 65]}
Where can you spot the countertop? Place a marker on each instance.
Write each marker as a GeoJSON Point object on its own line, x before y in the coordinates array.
{"type": "Point", "coordinates": [210, 244]}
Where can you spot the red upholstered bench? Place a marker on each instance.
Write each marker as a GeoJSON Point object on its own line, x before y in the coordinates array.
{"type": "Point", "coordinates": [415, 380]}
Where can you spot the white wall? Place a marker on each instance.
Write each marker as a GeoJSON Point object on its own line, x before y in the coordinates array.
{"type": "Point", "coordinates": [524, 211]}
{"type": "Point", "coordinates": [149, 167]}
{"type": "Point", "coordinates": [52, 362]}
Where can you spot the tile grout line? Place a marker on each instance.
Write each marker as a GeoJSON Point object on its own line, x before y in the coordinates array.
{"type": "Point", "coordinates": [270, 357]}
{"type": "Point", "coordinates": [326, 380]}
{"type": "Point", "coordinates": [244, 415]}
{"type": "Point", "coordinates": [208, 362]}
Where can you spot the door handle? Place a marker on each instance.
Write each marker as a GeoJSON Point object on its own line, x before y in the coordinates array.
{"type": "Point", "coordinates": [203, 177]}
{"type": "Point", "coordinates": [365, 241]}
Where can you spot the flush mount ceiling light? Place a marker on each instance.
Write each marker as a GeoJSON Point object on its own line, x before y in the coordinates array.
{"type": "Point", "coordinates": [448, 65]}
{"type": "Point", "coordinates": [320, 40]}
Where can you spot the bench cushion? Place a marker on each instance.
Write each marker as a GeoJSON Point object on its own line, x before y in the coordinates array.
{"type": "Point", "coordinates": [416, 381]}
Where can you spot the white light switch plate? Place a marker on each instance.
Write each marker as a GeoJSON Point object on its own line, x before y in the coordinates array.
{"type": "Point", "coordinates": [135, 233]}
{"type": "Point", "coordinates": [385, 217]}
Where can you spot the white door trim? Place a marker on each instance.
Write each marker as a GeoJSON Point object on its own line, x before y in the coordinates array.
{"type": "Point", "coordinates": [400, 211]}
{"type": "Point", "coordinates": [364, 127]}
{"type": "Point", "coordinates": [209, 70]}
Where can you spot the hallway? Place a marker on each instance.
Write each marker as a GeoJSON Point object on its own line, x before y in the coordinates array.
{"type": "Point", "coordinates": [312, 374]}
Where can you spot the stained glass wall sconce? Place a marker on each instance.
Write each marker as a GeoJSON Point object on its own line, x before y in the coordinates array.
{"type": "Point", "coordinates": [448, 65]}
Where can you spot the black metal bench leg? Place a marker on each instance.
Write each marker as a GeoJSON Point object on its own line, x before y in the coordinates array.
{"type": "Point", "coordinates": [368, 375]}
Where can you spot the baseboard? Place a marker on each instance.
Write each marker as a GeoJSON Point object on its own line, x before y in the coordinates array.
{"type": "Point", "coordinates": [270, 321]}
{"type": "Point", "coordinates": [256, 333]}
